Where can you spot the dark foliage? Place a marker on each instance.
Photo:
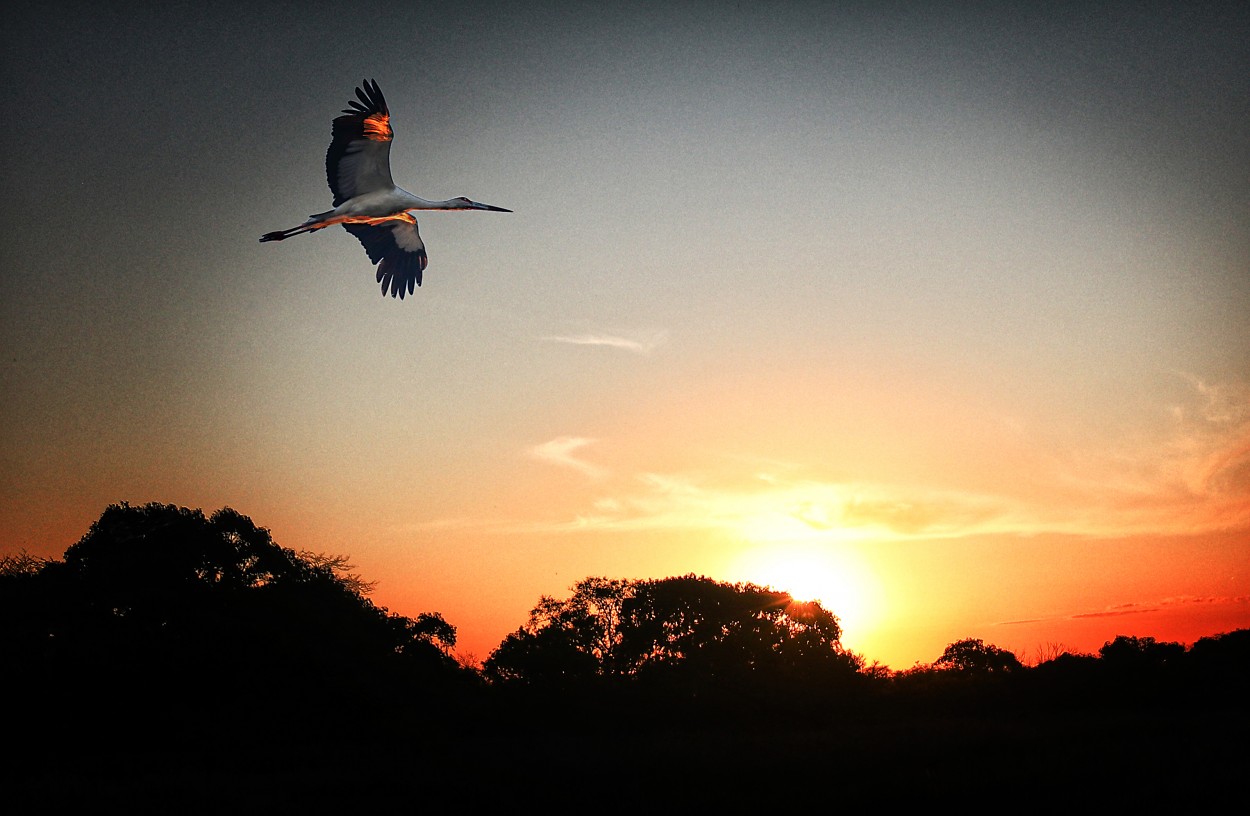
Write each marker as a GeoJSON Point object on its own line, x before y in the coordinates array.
{"type": "Point", "coordinates": [690, 636]}
{"type": "Point", "coordinates": [973, 656]}
{"type": "Point", "coordinates": [175, 662]}
{"type": "Point", "coordinates": [160, 618]}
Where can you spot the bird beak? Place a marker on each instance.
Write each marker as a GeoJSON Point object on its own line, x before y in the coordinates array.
{"type": "Point", "coordinates": [477, 206]}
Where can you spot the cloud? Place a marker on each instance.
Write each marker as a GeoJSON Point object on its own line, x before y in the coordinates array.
{"type": "Point", "coordinates": [774, 509]}
{"type": "Point", "coordinates": [1204, 490]}
{"type": "Point", "coordinates": [1193, 478]}
{"type": "Point", "coordinates": [1166, 603]}
{"type": "Point", "coordinates": [642, 344]}
{"type": "Point", "coordinates": [1119, 611]}
{"type": "Point", "coordinates": [1139, 608]}
{"type": "Point", "coordinates": [1212, 440]}
{"type": "Point", "coordinates": [559, 451]}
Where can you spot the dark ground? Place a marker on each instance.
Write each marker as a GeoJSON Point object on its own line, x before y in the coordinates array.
{"type": "Point", "coordinates": [1191, 760]}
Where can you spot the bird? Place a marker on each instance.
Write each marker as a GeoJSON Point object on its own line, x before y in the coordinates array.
{"type": "Point", "coordinates": [366, 200]}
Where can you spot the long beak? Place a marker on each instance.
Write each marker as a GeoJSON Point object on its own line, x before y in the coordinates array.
{"type": "Point", "coordinates": [477, 206]}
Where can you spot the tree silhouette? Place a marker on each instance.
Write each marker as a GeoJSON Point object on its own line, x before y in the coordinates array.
{"type": "Point", "coordinates": [1140, 653]}
{"type": "Point", "coordinates": [565, 641]}
{"type": "Point", "coordinates": [974, 656]}
{"type": "Point", "coordinates": [159, 608]}
{"type": "Point", "coordinates": [171, 641]}
{"type": "Point", "coordinates": [718, 630]}
{"type": "Point", "coordinates": [687, 627]}
{"type": "Point", "coordinates": [1217, 667]}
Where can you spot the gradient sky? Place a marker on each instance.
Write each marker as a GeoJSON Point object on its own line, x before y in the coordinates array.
{"type": "Point", "coordinates": [938, 314]}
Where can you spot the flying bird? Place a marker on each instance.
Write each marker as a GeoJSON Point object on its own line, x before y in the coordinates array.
{"type": "Point", "coordinates": [366, 201]}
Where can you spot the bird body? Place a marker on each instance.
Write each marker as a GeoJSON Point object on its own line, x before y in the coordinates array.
{"type": "Point", "coordinates": [366, 200]}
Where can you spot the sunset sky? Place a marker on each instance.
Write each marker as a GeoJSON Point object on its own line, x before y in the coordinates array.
{"type": "Point", "coordinates": [938, 313]}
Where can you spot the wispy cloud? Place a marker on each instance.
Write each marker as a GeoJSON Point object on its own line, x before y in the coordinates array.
{"type": "Point", "coordinates": [1213, 439]}
{"type": "Point", "coordinates": [1192, 479]}
{"type": "Point", "coordinates": [775, 509]}
{"type": "Point", "coordinates": [1120, 611]}
{"type": "Point", "coordinates": [642, 343]}
{"type": "Point", "coordinates": [1195, 478]}
{"type": "Point", "coordinates": [1166, 603]}
{"type": "Point", "coordinates": [559, 451]}
{"type": "Point", "coordinates": [1173, 604]}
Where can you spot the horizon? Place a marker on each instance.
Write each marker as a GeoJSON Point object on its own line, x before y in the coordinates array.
{"type": "Point", "coordinates": [1103, 627]}
{"type": "Point", "coordinates": [935, 314]}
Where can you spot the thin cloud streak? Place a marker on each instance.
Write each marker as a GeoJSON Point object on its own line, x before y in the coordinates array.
{"type": "Point", "coordinates": [559, 451]}
{"type": "Point", "coordinates": [641, 345]}
{"type": "Point", "coordinates": [1139, 608]}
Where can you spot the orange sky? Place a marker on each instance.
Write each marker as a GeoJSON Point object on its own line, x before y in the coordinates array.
{"type": "Point", "coordinates": [1019, 541]}
{"type": "Point", "coordinates": [936, 313]}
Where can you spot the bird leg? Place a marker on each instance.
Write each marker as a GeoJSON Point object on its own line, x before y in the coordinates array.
{"type": "Point", "coordinates": [326, 219]}
{"type": "Point", "coordinates": [314, 222]}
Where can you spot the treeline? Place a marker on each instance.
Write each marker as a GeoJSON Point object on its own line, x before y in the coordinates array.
{"type": "Point", "coordinates": [189, 630]}
{"type": "Point", "coordinates": [158, 597]}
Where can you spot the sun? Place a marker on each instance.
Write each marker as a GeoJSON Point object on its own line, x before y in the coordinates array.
{"type": "Point", "coordinates": [830, 573]}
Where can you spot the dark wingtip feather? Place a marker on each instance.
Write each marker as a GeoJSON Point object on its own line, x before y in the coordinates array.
{"type": "Point", "coordinates": [400, 274]}
{"type": "Point", "coordinates": [370, 100]}
{"type": "Point", "coordinates": [381, 100]}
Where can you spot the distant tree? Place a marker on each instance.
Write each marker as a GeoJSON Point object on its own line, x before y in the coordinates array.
{"type": "Point", "coordinates": [692, 626]}
{"type": "Point", "coordinates": [974, 656]}
{"type": "Point", "coordinates": [1219, 665]}
{"type": "Point", "coordinates": [1050, 651]}
{"type": "Point", "coordinates": [1139, 653]}
{"type": "Point", "coordinates": [20, 565]}
{"type": "Point", "coordinates": [715, 629]}
{"type": "Point", "coordinates": [565, 640]}
{"type": "Point", "coordinates": [544, 656]}
{"type": "Point", "coordinates": [1230, 649]}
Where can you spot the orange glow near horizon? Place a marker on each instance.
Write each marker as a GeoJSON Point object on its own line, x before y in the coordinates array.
{"type": "Point", "coordinates": [830, 575]}
{"type": "Point", "coordinates": [1068, 546]}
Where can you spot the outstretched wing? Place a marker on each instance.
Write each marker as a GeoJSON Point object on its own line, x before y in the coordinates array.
{"type": "Point", "coordinates": [398, 251]}
{"type": "Point", "coordinates": [359, 158]}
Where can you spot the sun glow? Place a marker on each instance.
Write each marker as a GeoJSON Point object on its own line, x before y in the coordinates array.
{"type": "Point", "coordinates": [828, 571]}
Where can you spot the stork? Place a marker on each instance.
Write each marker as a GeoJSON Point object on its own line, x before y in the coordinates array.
{"type": "Point", "coordinates": [366, 201]}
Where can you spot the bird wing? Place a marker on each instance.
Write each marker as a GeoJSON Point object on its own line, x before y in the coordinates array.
{"type": "Point", "coordinates": [396, 247]}
{"type": "Point", "coordinates": [359, 158]}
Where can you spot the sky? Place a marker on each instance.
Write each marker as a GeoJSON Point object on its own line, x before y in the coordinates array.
{"type": "Point", "coordinates": [934, 312]}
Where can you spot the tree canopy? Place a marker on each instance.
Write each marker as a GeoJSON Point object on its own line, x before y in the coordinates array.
{"type": "Point", "coordinates": [671, 628]}
{"type": "Point", "coordinates": [162, 600]}
{"type": "Point", "coordinates": [974, 656]}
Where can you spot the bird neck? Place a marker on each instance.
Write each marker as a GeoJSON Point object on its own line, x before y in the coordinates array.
{"type": "Point", "coordinates": [414, 202]}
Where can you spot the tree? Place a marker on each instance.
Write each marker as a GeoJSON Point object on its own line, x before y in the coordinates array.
{"type": "Point", "coordinates": [565, 640]}
{"type": "Point", "coordinates": [974, 656]}
{"type": "Point", "coordinates": [214, 607]}
{"type": "Point", "coordinates": [690, 626]}
{"type": "Point", "coordinates": [1219, 665]}
{"type": "Point", "coordinates": [715, 629]}
{"type": "Point", "coordinates": [20, 565]}
{"type": "Point", "coordinates": [1139, 653]}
